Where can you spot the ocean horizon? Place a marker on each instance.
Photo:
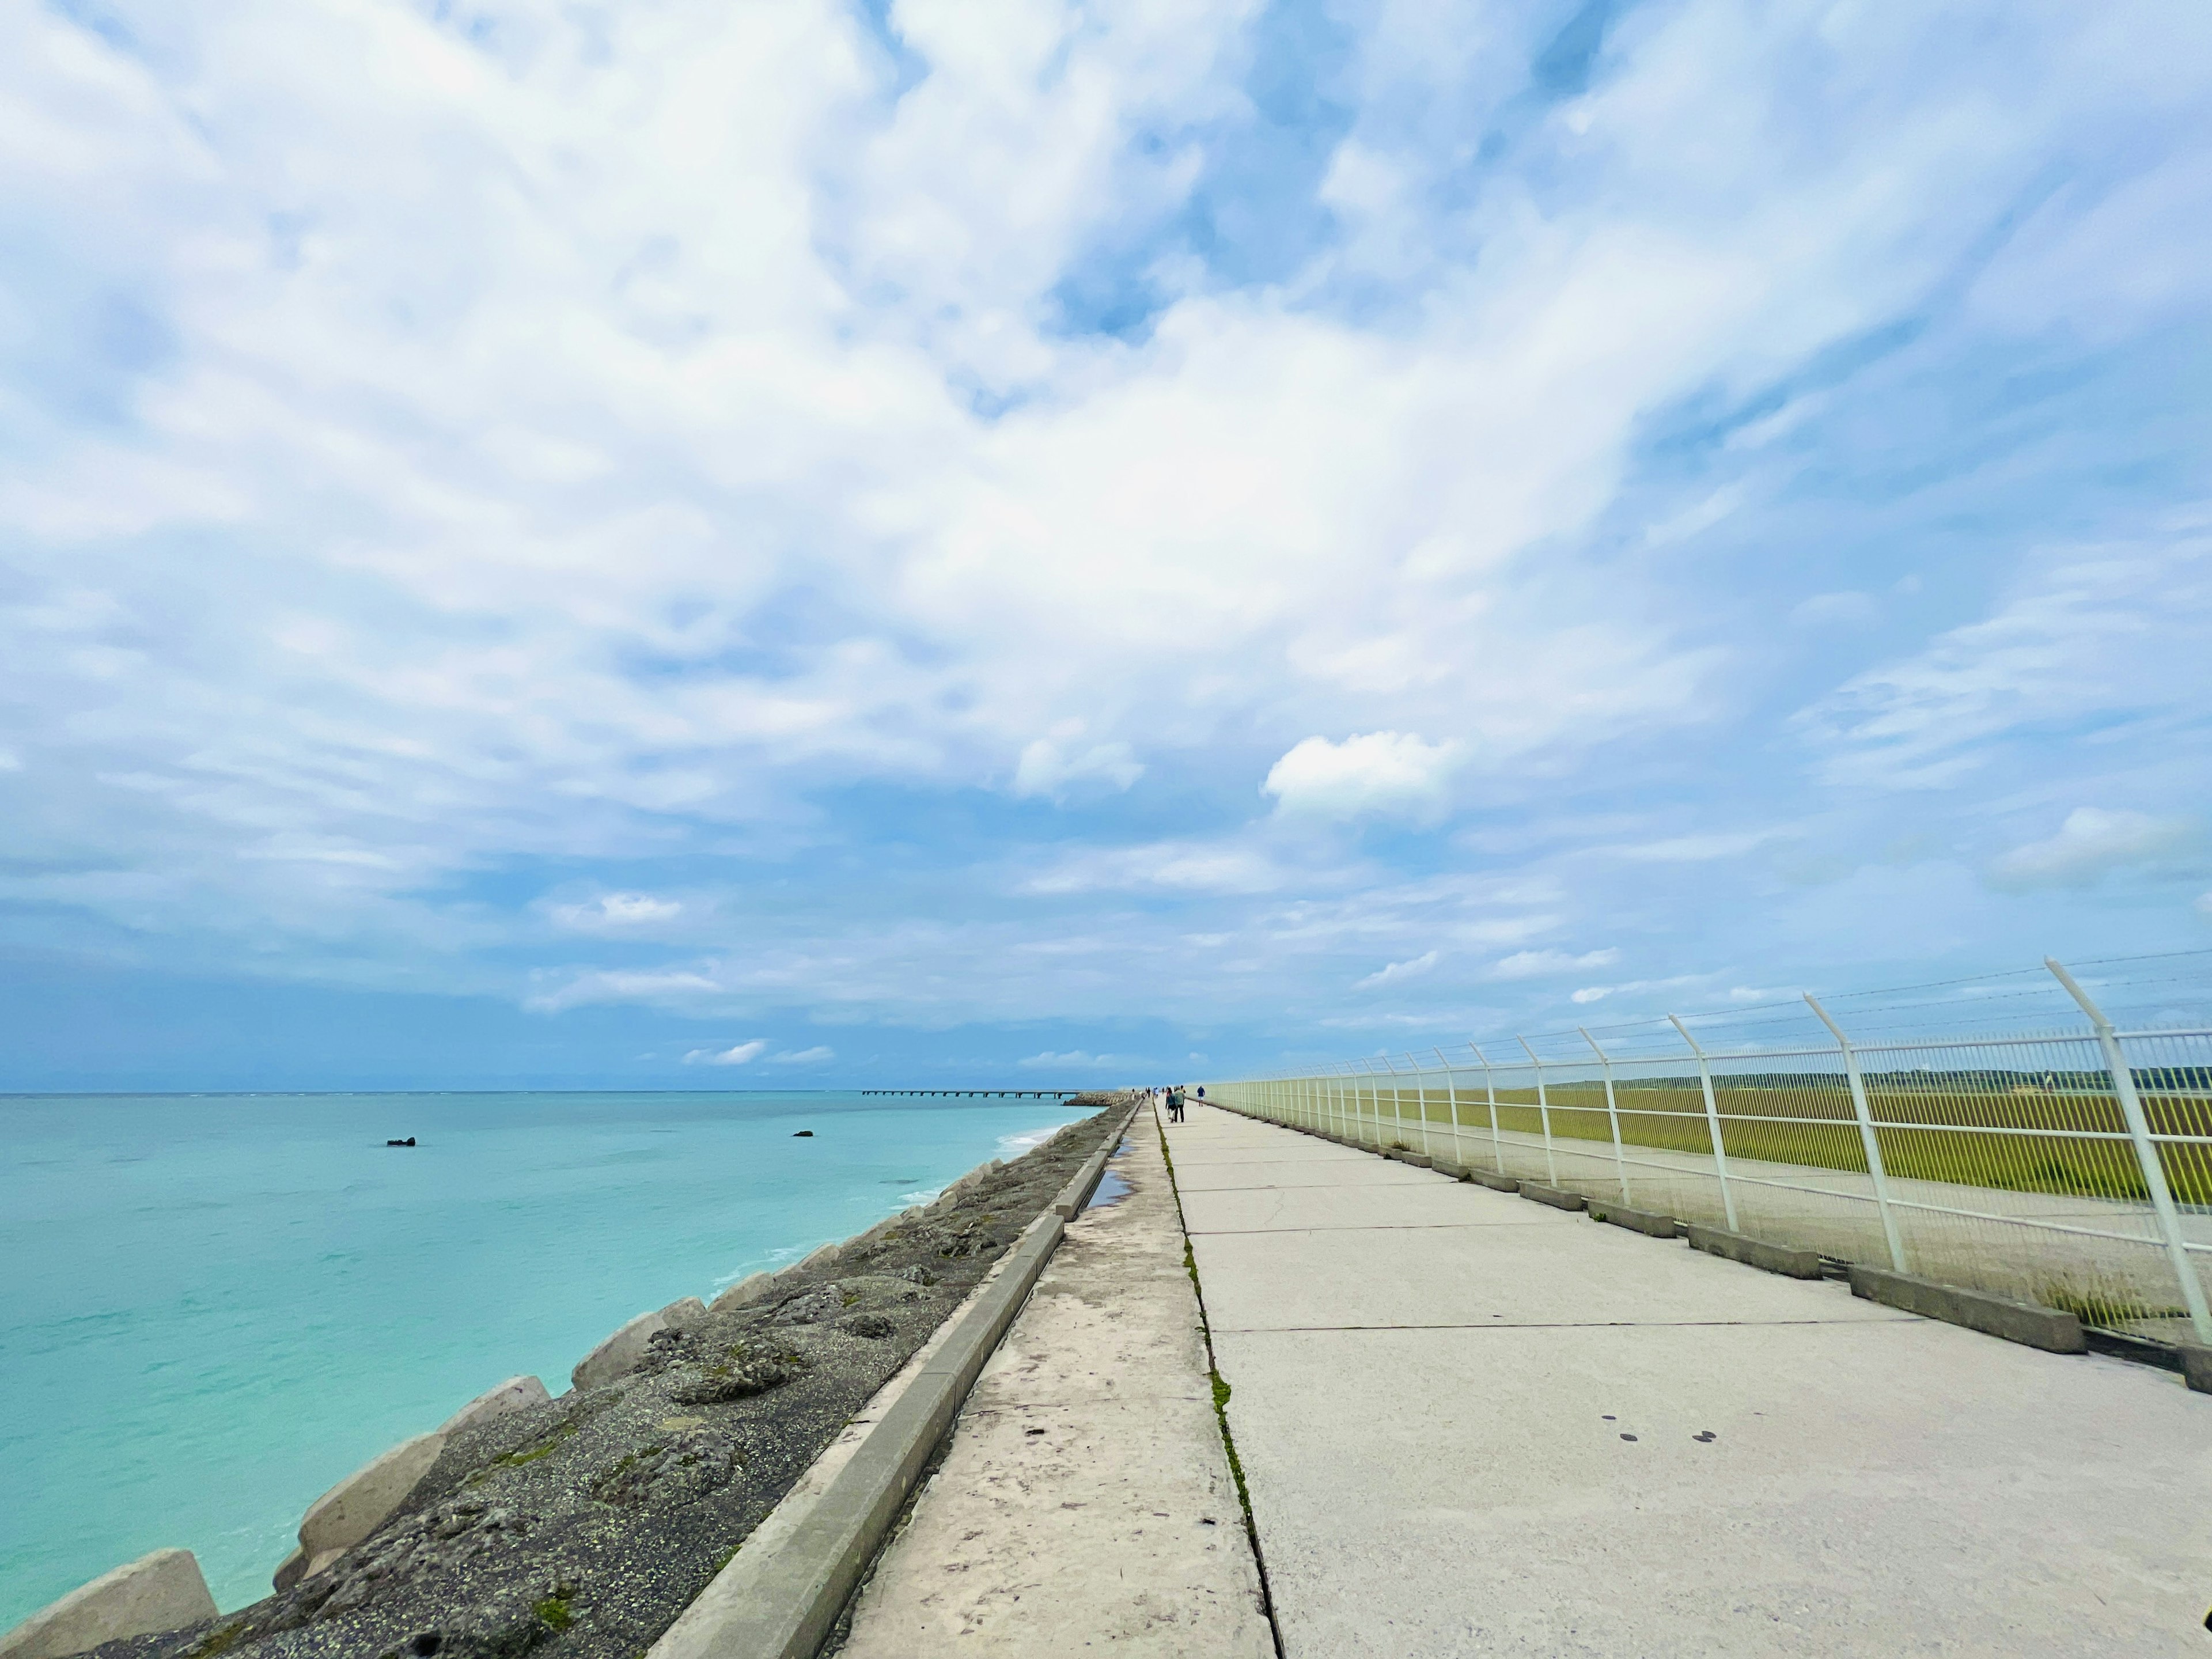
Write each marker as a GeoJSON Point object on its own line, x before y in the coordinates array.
{"type": "Point", "coordinates": [216, 1305]}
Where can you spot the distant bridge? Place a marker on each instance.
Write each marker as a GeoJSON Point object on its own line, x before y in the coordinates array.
{"type": "Point", "coordinates": [981, 1094]}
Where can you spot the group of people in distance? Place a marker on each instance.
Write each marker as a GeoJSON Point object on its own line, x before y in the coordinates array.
{"type": "Point", "coordinates": [1172, 1097]}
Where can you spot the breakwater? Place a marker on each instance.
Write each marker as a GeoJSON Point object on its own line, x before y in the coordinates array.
{"type": "Point", "coordinates": [589, 1521]}
{"type": "Point", "coordinates": [217, 1305]}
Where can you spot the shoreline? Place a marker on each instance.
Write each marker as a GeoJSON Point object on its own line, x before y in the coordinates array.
{"type": "Point", "coordinates": [573, 1522]}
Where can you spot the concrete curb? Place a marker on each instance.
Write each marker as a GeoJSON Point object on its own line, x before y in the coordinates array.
{"type": "Point", "coordinates": [1551, 1195]}
{"type": "Point", "coordinates": [1782, 1259]}
{"type": "Point", "coordinates": [1419, 1160]}
{"type": "Point", "coordinates": [1077, 1194]}
{"type": "Point", "coordinates": [2047, 1328]}
{"type": "Point", "coordinates": [784, 1607]}
{"type": "Point", "coordinates": [2195, 1366]}
{"type": "Point", "coordinates": [1640, 1221]}
{"type": "Point", "coordinates": [1496, 1182]}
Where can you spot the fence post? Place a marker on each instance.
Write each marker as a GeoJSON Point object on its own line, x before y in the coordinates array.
{"type": "Point", "coordinates": [1866, 1134]}
{"type": "Point", "coordinates": [1421, 1081]}
{"type": "Point", "coordinates": [2153, 1171]}
{"type": "Point", "coordinates": [1451, 1103]}
{"type": "Point", "coordinates": [1543, 1113]}
{"type": "Point", "coordinates": [1613, 1116]}
{"type": "Point", "coordinates": [1490, 1094]}
{"type": "Point", "coordinates": [1712, 1124]}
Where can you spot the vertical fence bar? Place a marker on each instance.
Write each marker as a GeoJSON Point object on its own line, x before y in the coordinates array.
{"type": "Point", "coordinates": [1866, 1133]}
{"type": "Point", "coordinates": [1543, 1113]}
{"type": "Point", "coordinates": [1490, 1094]}
{"type": "Point", "coordinates": [2153, 1171]}
{"type": "Point", "coordinates": [1613, 1116]}
{"type": "Point", "coordinates": [1712, 1124]}
{"type": "Point", "coordinates": [1451, 1103]}
{"type": "Point", "coordinates": [1421, 1078]}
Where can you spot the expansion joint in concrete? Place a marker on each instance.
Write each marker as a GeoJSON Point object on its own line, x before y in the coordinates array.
{"type": "Point", "coordinates": [1221, 1392]}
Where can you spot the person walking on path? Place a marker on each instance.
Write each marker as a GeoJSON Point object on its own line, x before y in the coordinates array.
{"type": "Point", "coordinates": [1175, 1105]}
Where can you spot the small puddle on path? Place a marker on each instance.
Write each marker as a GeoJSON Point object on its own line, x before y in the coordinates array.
{"type": "Point", "coordinates": [1111, 1189]}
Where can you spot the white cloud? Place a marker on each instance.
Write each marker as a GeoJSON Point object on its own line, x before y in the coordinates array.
{"type": "Point", "coordinates": [1396, 972]}
{"type": "Point", "coordinates": [1074, 1059]}
{"type": "Point", "coordinates": [1175, 866]}
{"type": "Point", "coordinates": [743, 1054]}
{"type": "Point", "coordinates": [2090, 844]}
{"type": "Point", "coordinates": [1393, 774]}
{"type": "Point", "coordinates": [813, 1056]}
{"type": "Point", "coordinates": [1531, 964]}
{"type": "Point", "coordinates": [2090, 637]}
{"type": "Point", "coordinates": [1047, 769]}
{"type": "Point", "coordinates": [613, 911]}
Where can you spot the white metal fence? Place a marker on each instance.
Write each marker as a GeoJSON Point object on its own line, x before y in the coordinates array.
{"type": "Point", "coordinates": [2069, 1168]}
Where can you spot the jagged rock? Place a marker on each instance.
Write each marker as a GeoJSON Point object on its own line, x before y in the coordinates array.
{"type": "Point", "coordinates": [688, 1465]}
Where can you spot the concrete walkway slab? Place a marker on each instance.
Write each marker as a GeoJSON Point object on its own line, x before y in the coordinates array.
{"type": "Point", "coordinates": [1273, 1209]}
{"type": "Point", "coordinates": [1572, 1273]}
{"type": "Point", "coordinates": [1355, 1169]}
{"type": "Point", "coordinates": [1085, 1504]}
{"type": "Point", "coordinates": [1872, 1485]}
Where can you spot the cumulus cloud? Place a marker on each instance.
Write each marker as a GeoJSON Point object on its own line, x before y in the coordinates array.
{"type": "Point", "coordinates": [2091, 844]}
{"type": "Point", "coordinates": [708, 449]}
{"type": "Point", "coordinates": [1385, 773]}
{"type": "Point", "coordinates": [743, 1054]}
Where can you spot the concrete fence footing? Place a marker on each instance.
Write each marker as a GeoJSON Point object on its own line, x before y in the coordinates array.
{"type": "Point", "coordinates": [2196, 1367]}
{"type": "Point", "coordinates": [1640, 1221]}
{"type": "Point", "coordinates": [2048, 1328]}
{"type": "Point", "coordinates": [1553, 1196]}
{"type": "Point", "coordinates": [1496, 1182]}
{"type": "Point", "coordinates": [1756, 1252]}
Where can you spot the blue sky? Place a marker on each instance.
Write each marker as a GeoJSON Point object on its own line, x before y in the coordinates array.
{"type": "Point", "coordinates": [697, 545]}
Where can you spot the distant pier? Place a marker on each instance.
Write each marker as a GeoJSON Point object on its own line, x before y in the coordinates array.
{"type": "Point", "coordinates": [982, 1094]}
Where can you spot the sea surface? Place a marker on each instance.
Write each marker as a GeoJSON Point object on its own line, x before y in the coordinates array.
{"type": "Point", "coordinates": [212, 1307]}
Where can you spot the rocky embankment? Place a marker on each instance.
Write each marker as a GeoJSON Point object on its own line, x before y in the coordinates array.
{"type": "Point", "coordinates": [581, 1525]}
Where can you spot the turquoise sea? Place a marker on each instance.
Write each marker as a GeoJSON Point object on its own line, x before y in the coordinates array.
{"type": "Point", "coordinates": [213, 1306]}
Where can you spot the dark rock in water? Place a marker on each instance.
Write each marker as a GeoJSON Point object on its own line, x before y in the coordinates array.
{"type": "Point", "coordinates": [802, 1134]}
{"type": "Point", "coordinates": [410, 1142]}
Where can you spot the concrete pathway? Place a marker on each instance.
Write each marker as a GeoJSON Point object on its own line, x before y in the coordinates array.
{"type": "Point", "coordinates": [1471, 1425]}
{"type": "Point", "coordinates": [1085, 1504]}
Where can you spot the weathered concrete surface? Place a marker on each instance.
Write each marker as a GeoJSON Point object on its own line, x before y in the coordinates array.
{"type": "Point", "coordinates": [1086, 1503]}
{"type": "Point", "coordinates": [618, 1356]}
{"type": "Point", "coordinates": [2048, 1328]}
{"type": "Point", "coordinates": [1434, 1426]}
{"type": "Point", "coordinates": [1646, 1222]}
{"type": "Point", "coordinates": [1558, 1197]}
{"type": "Point", "coordinates": [157, 1592]}
{"type": "Point", "coordinates": [1755, 1252]}
{"type": "Point", "coordinates": [517, 1393]}
{"type": "Point", "coordinates": [353, 1509]}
